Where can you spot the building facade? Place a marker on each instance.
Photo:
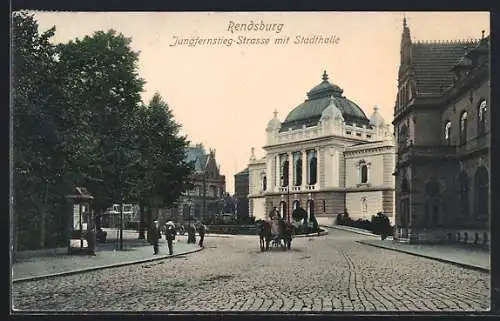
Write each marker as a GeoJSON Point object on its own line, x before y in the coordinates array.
{"type": "Point", "coordinates": [326, 157]}
{"type": "Point", "coordinates": [206, 197]}
{"type": "Point", "coordinates": [241, 184]}
{"type": "Point", "coordinates": [442, 125]}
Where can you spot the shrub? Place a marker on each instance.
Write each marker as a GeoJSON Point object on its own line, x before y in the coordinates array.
{"type": "Point", "coordinates": [381, 225]}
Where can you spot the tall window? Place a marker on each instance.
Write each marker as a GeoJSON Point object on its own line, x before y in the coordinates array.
{"type": "Point", "coordinates": [447, 133]}
{"type": "Point", "coordinates": [463, 186]}
{"type": "Point", "coordinates": [285, 173]}
{"type": "Point", "coordinates": [313, 170]}
{"type": "Point", "coordinates": [297, 162]}
{"type": "Point", "coordinates": [264, 182]}
{"type": "Point", "coordinates": [482, 109]}
{"type": "Point", "coordinates": [364, 173]}
{"type": "Point", "coordinates": [463, 128]}
{"type": "Point", "coordinates": [481, 182]}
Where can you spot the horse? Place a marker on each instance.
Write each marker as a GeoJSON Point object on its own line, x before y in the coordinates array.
{"type": "Point", "coordinates": [264, 230]}
{"type": "Point", "coordinates": [287, 231]}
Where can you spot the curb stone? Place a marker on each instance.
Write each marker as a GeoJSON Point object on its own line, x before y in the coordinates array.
{"type": "Point", "coordinates": [313, 234]}
{"type": "Point", "coordinates": [102, 267]}
{"type": "Point", "coordinates": [464, 265]}
{"type": "Point", "coordinates": [356, 231]}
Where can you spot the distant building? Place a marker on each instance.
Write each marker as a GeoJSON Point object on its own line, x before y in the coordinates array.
{"type": "Point", "coordinates": [205, 199]}
{"type": "Point", "coordinates": [442, 121]}
{"type": "Point", "coordinates": [326, 157]}
{"type": "Point", "coordinates": [241, 192]}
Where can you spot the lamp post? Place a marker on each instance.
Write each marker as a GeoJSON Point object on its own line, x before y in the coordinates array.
{"type": "Point", "coordinates": [189, 203]}
{"type": "Point", "coordinates": [287, 196]}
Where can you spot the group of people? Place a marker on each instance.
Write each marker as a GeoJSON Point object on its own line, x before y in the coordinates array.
{"type": "Point", "coordinates": [170, 232]}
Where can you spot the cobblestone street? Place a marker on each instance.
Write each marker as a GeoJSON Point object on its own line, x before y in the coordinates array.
{"type": "Point", "coordinates": [329, 273]}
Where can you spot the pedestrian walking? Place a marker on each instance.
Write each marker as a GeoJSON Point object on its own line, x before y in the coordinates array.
{"type": "Point", "coordinates": [191, 234]}
{"type": "Point", "coordinates": [170, 233]}
{"type": "Point", "coordinates": [155, 237]}
{"type": "Point", "coordinates": [202, 229]}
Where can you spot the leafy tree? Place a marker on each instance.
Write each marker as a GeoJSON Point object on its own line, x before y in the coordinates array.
{"type": "Point", "coordinates": [36, 140]}
{"type": "Point", "coordinates": [163, 155]}
{"type": "Point", "coordinates": [79, 121]}
{"type": "Point", "coordinates": [101, 80]}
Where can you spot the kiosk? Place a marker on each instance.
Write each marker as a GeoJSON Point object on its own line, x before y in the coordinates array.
{"type": "Point", "coordinates": [81, 224]}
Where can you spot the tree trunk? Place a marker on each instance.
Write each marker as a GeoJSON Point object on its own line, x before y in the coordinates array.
{"type": "Point", "coordinates": [148, 223]}
{"type": "Point", "coordinates": [141, 221]}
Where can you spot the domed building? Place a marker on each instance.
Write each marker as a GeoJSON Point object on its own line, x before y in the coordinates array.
{"type": "Point", "coordinates": [327, 157]}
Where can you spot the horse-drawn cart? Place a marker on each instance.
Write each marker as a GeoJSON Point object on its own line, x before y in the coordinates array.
{"type": "Point", "coordinates": [277, 231]}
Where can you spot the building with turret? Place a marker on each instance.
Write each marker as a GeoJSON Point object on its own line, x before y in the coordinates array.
{"type": "Point", "coordinates": [327, 157]}
{"type": "Point", "coordinates": [442, 124]}
{"type": "Point", "coordinates": [205, 199]}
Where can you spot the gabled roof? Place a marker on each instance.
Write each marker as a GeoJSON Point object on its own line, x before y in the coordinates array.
{"type": "Point", "coordinates": [197, 155]}
{"type": "Point", "coordinates": [432, 64]}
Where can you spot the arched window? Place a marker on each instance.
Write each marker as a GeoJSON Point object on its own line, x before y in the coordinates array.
{"type": "Point", "coordinates": [481, 187]}
{"type": "Point", "coordinates": [313, 170]}
{"type": "Point", "coordinates": [463, 128]}
{"type": "Point", "coordinates": [295, 205]}
{"type": "Point", "coordinates": [364, 173]}
{"type": "Point", "coordinates": [310, 210]}
{"type": "Point", "coordinates": [447, 133]}
{"type": "Point", "coordinates": [283, 209]}
{"type": "Point", "coordinates": [481, 111]}
{"type": "Point", "coordinates": [463, 193]}
{"type": "Point", "coordinates": [285, 173]}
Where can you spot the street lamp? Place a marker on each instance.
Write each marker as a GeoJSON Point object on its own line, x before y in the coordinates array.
{"type": "Point", "coordinates": [189, 203]}
{"type": "Point", "coordinates": [287, 197]}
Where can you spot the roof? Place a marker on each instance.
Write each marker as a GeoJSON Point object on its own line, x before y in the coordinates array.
{"type": "Point", "coordinates": [197, 155]}
{"type": "Point", "coordinates": [309, 112]}
{"type": "Point", "coordinates": [243, 172]}
{"type": "Point", "coordinates": [432, 63]}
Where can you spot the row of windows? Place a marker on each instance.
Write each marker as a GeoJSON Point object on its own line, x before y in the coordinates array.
{"type": "Point", "coordinates": [482, 115]}
{"type": "Point", "coordinates": [363, 169]}
{"type": "Point", "coordinates": [312, 169]}
{"type": "Point", "coordinates": [482, 110]}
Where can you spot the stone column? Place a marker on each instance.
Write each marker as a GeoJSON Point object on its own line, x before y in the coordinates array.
{"type": "Point", "coordinates": [277, 171]}
{"type": "Point", "coordinates": [304, 168]}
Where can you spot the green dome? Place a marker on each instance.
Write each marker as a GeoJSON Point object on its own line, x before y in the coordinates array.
{"type": "Point", "coordinates": [318, 98]}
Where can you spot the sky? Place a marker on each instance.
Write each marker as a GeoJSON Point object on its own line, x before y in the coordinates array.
{"type": "Point", "coordinates": [224, 95]}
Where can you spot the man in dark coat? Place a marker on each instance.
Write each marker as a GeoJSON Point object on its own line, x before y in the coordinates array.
{"type": "Point", "coordinates": [191, 233]}
{"type": "Point", "coordinates": [170, 236]}
{"type": "Point", "coordinates": [202, 229]}
{"type": "Point", "coordinates": [155, 237]}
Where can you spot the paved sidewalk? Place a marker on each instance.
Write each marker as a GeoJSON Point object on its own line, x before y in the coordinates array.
{"type": "Point", "coordinates": [134, 251]}
{"type": "Point", "coordinates": [462, 255]}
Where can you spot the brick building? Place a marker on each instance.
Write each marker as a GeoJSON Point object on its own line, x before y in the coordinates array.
{"type": "Point", "coordinates": [205, 199]}
{"type": "Point", "coordinates": [442, 125]}
{"type": "Point", "coordinates": [241, 192]}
